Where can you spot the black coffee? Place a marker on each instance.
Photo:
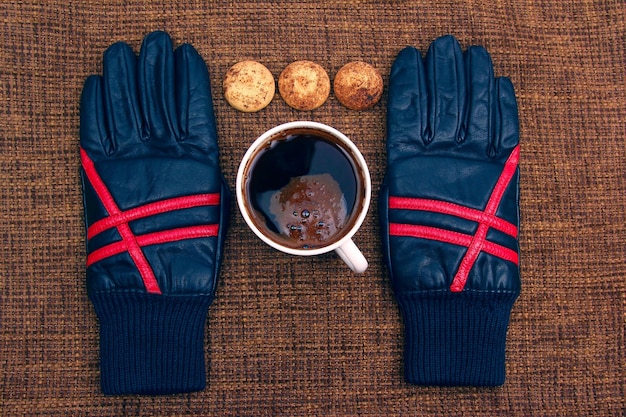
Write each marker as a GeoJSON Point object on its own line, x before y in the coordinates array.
{"type": "Point", "coordinates": [303, 189]}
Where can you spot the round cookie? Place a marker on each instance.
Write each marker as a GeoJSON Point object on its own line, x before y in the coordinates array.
{"type": "Point", "coordinates": [358, 85]}
{"type": "Point", "coordinates": [304, 85]}
{"type": "Point", "coordinates": [249, 86]}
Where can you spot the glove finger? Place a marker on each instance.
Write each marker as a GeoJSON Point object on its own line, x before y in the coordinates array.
{"type": "Point", "coordinates": [406, 106]}
{"type": "Point", "coordinates": [479, 120]}
{"type": "Point", "coordinates": [123, 114]}
{"type": "Point", "coordinates": [94, 137]}
{"type": "Point", "coordinates": [507, 120]}
{"type": "Point", "coordinates": [446, 89]}
{"type": "Point", "coordinates": [194, 102]}
{"type": "Point", "coordinates": [156, 86]}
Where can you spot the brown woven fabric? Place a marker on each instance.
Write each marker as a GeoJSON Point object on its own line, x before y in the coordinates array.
{"type": "Point", "coordinates": [304, 336]}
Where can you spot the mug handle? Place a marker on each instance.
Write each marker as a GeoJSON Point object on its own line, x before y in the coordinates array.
{"type": "Point", "coordinates": [352, 256]}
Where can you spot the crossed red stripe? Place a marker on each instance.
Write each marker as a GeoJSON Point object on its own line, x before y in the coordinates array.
{"type": "Point", "coordinates": [486, 219]}
{"type": "Point", "coordinates": [132, 243]}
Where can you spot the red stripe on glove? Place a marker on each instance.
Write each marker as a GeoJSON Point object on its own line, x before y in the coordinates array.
{"type": "Point", "coordinates": [486, 219]}
{"type": "Point", "coordinates": [130, 242]}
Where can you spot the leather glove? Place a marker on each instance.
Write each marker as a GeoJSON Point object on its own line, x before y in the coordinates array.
{"type": "Point", "coordinates": [156, 208]}
{"type": "Point", "coordinates": [449, 209]}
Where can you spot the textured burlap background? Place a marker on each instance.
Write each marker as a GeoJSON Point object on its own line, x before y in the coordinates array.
{"type": "Point", "coordinates": [303, 337]}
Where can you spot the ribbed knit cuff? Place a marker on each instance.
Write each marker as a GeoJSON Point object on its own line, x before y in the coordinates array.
{"type": "Point", "coordinates": [151, 344]}
{"type": "Point", "coordinates": [454, 339]}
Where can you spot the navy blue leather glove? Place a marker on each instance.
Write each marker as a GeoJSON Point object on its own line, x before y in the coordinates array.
{"type": "Point", "coordinates": [156, 208]}
{"type": "Point", "coordinates": [449, 212]}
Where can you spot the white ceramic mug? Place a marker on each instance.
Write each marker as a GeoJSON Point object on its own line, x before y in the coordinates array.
{"type": "Point", "coordinates": [359, 195]}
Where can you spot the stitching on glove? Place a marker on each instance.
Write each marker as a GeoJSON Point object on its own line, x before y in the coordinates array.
{"type": "Point", "coordinates": [455, 238]}
{"type": "Point", "coordinates": [152, 209]}
{"type": "Point", "coordinates": [130, 242]}
{"type": "Point", "coordinates": [481, 234]}
{"type": "Point", "coordinates": [486, 219]}
{"type": "Point", "coordinates": [154, 238]}
{"type": "Point", "coordinates": [445, 207]}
